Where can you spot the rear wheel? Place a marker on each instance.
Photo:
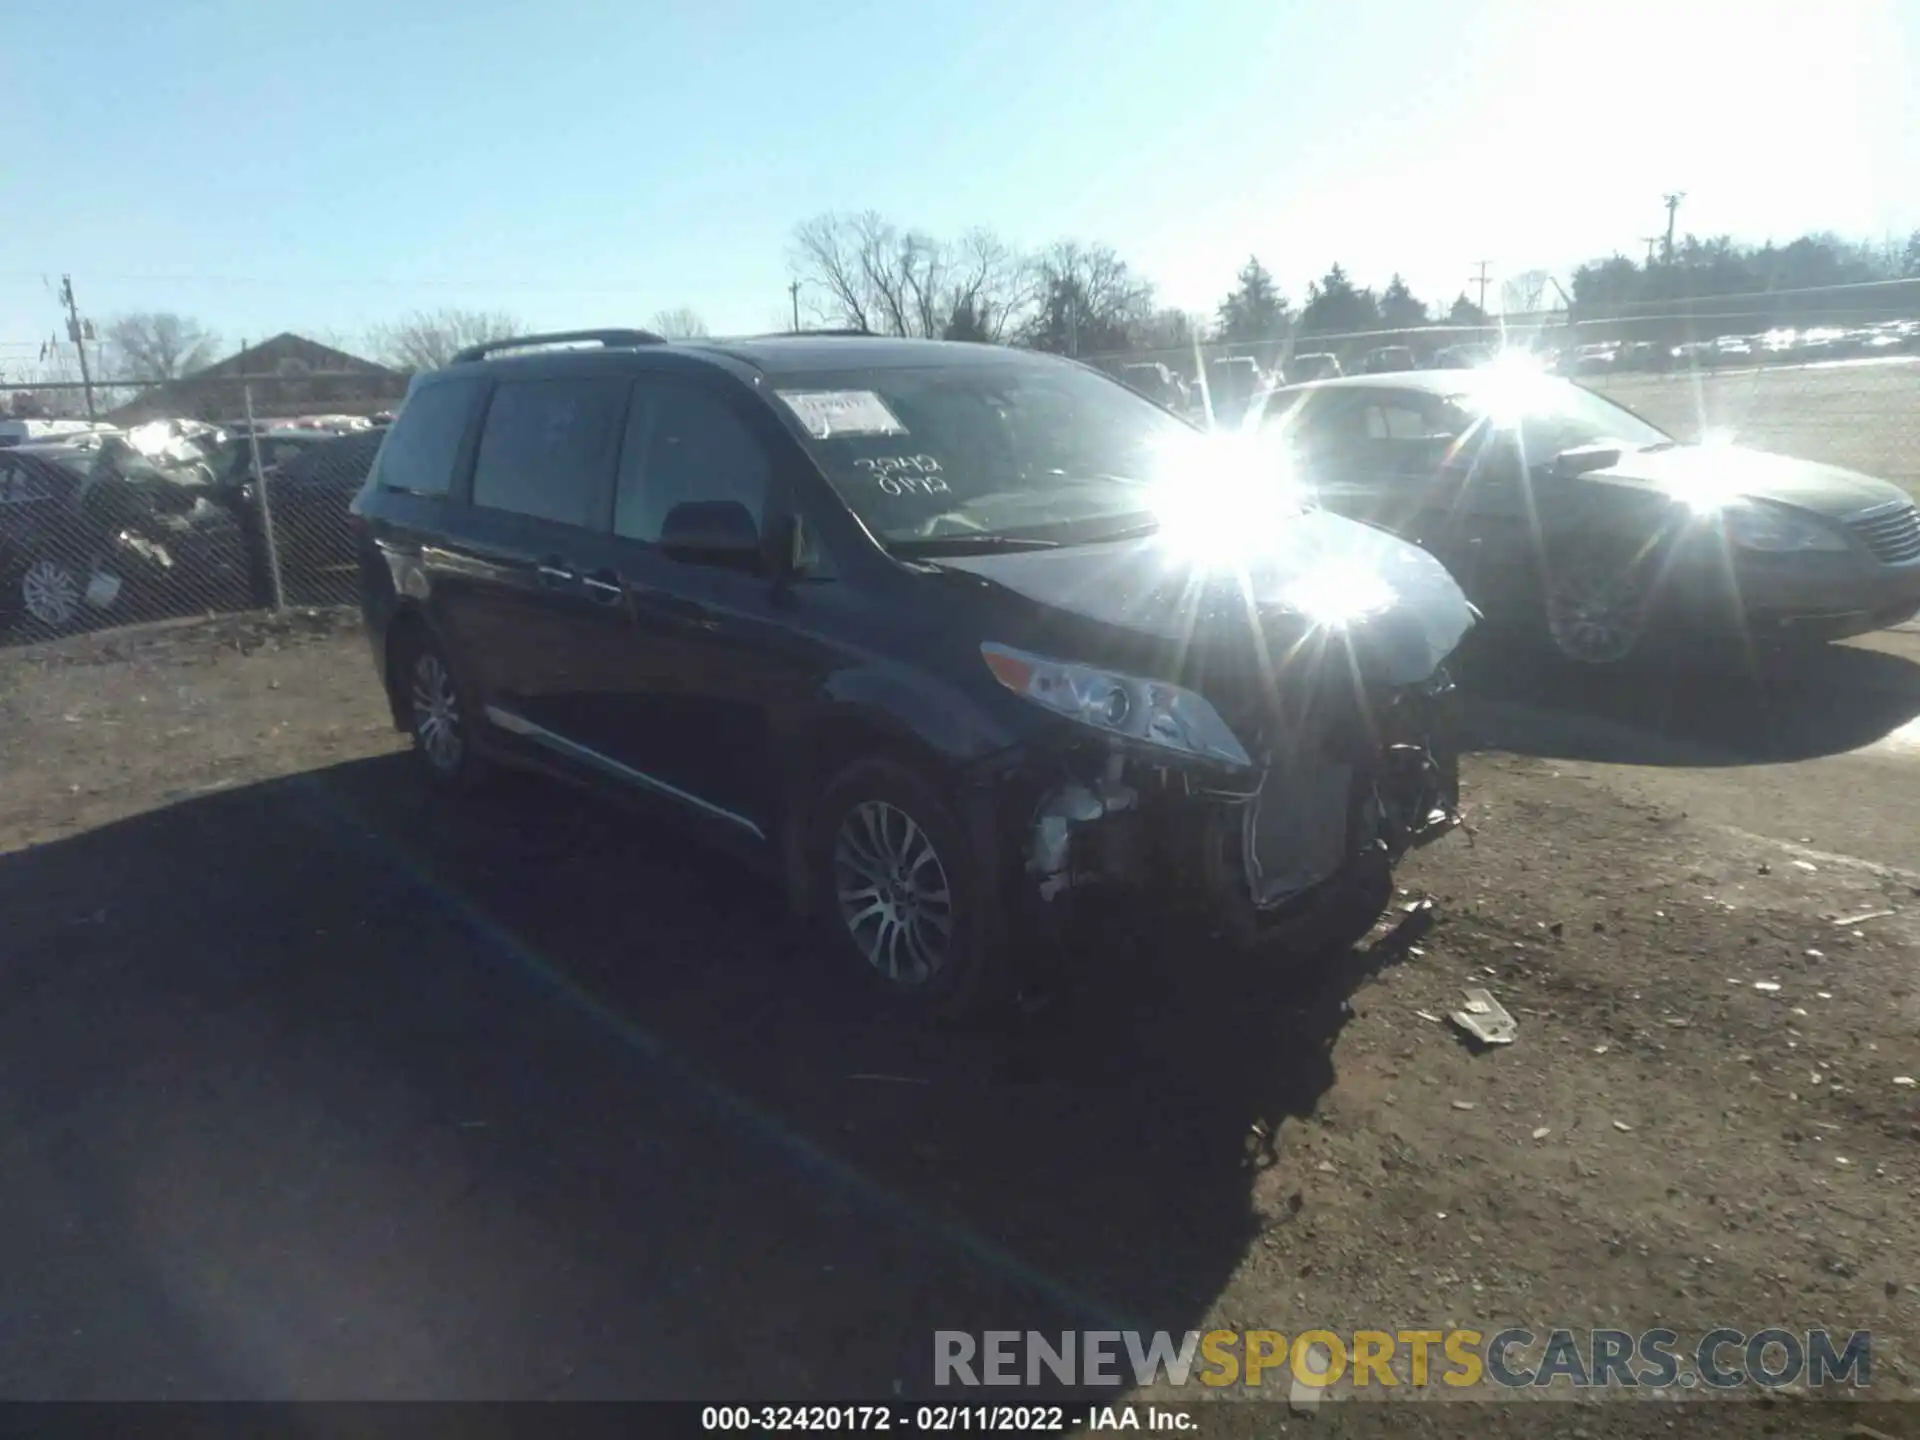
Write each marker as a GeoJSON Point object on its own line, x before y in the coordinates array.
{"type": "Point", "coordinates": [50, 592]}
{"type": "Point", "coordinates": [897, 888]}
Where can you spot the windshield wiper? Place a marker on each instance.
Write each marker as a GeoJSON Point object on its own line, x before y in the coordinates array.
{"type": "Point", "coordinates": [967, 545]}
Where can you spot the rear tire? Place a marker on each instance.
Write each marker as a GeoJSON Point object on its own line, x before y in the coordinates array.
{"type": "Point", "coordinates": [437, 712]}
{"type": "Point", "coordinates": [50, 594]}
{"type": "Point", "coordinates": [898, 892]}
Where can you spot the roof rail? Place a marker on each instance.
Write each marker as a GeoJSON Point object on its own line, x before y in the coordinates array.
{"type": "Point", "coordinates": [611, 339]}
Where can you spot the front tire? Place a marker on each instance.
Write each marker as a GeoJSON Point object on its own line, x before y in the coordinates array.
{"type": "Point", "coordinates": [1597, 602]}
{"type": "Point", "coordinates": [897, 891]}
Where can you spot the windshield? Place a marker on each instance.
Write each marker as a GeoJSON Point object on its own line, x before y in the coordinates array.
{"type": "Point", "coordinates": [926, 453]}
{"type": "Point", "coordinates": [1553, 415]}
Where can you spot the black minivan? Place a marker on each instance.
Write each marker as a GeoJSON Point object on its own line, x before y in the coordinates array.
{"type": "Point", "coordinates": [953, 639]}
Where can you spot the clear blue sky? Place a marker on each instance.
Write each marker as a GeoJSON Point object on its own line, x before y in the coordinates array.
{"type": "Point", "coordinates": [265, 165]}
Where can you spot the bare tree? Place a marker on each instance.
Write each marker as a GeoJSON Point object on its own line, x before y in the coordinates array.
{"type": "Point", "coordinates": [1094, 303]}
{"type": "Point", "coordinates": [1522, 295]}
{"type": "Point", "coordinates": [158, 345]}
{"type": "Point", "coordinates": [680, 323]}
{"type": "Point", "coordinates": [867, 273]}
{"type": "Point", "coordinates": [426, 340]}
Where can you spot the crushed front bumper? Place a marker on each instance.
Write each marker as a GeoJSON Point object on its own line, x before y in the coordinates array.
{"type": "Point", "coordinates": [1298, 852]}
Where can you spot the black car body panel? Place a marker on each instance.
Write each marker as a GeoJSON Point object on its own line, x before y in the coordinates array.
{"type": "Point", "coordinates": [1497, 512]}
{"type": "Point", "coordinates": [729, 685]}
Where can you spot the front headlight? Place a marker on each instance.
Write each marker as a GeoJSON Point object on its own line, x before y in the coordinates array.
{"type": "Point", "coordinates": [1149, 711]}
{"type": "Point", "coordinates": [1775, 531]}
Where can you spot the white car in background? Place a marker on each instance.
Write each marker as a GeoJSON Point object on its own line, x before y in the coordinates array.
{"type": "Point", "coordinates": [30, 432]}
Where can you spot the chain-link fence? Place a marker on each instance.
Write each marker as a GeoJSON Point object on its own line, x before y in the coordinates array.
{"type": "Point", "coordinates": [104, 525]}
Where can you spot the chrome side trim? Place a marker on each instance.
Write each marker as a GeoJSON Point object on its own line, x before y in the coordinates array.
{"type": "Point", "coordinates": [514, 724]}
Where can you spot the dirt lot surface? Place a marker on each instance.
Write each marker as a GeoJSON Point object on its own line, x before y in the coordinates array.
{"type": "Point", "coordinates": [1864, 415]}
{"type": "Point", "coordinates": [312, 1086]}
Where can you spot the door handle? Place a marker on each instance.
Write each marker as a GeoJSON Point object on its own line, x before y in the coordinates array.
{"type": "Point", "coordinates": [605, 587]}
{"type": "Point", "coordinates": [555, 572]}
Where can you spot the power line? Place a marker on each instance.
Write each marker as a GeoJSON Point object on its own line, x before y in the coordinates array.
{"type": "Point", "coordinates": [371, 282]}
{"type": "Point", "coordinates": [1481, 279]}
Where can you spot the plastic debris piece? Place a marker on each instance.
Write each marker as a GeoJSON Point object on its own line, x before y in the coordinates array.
{"type": "Point", "coordinates": [1848, 922]}
{"type": "Point", "coordinates": [1769, 987]}
{"type": "Point", "coordinates": [1484, 1018]}
{"type": "Point", "coordinates": [1622, 1126]}
{"type": "Point", "coordinates": [1542, 1132]}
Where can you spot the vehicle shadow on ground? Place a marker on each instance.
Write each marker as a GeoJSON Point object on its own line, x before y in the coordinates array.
{"type": "Point", "coordinates": [1825, 702]}
{"type": "Point", "coordinates": [527, 1099]}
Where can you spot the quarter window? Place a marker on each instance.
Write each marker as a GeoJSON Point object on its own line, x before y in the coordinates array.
{"type": "Point", "coordinates": [424, 444]}
{"type": "Point", "coordinates": [685, 444]}
{"type": "Point", "coordinates": [548, 447]}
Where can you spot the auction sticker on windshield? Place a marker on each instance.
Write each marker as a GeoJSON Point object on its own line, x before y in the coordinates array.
{"type": "Point", "coordinates": [830, 414]}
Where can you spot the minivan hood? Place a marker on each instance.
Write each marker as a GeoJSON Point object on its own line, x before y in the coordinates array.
{"type": "Point", "coordinates": [1733, 471]}
{"type": "Point", "coordinates": [1392, 604]}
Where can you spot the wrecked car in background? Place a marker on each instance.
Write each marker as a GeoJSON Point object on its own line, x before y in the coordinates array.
{"type": "Point", "coordinates": [954, 639]}
{"type": "Point", "coordinates": [99, 526]}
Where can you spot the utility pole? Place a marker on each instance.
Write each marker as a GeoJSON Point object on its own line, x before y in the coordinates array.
{"type": "Point", "coordinates": [1673, 208]}
{"type": "Point", "coordinates": [793, 291]}
{"type": "Point", "coordinates": [1651, 241]}
{"type": "Point", "coordinates": [1481, 280]}
{"type": "Point", "coordinates": [78, 333]}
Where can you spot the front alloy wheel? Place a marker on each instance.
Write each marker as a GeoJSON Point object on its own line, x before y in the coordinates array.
{"type": "Point", "coordinates": [436, 714]}
{"type": "Point", "coordinates": [50, 593]}
{"type": "Point", "coordinates": [894, 895]}
{"type": "Point", "coordinates": [1597, 607]}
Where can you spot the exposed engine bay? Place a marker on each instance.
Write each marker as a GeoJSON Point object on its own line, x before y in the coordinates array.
{"type": "Point", "coordinates": [1324, 801]}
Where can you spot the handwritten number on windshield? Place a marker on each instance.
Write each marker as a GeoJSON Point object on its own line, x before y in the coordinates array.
{"type": "Point", "coordinates": [905, 474]}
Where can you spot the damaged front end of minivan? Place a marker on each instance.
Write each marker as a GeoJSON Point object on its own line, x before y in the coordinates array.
{"type": "Point", "coordinates": [1295, 849]}
{"type": "Point", "coordinates": [1310, 758]}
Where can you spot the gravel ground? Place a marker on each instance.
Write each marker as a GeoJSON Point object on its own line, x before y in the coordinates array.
{"type": "Point", "coordinates": [310, 1087]}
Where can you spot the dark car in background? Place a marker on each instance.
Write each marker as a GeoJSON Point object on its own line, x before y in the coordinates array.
{"type": "Point", "coordinates": [46, 548]}
{"type": "Point", "coordinates": [310, 486]}
{"type": "Point", "coordinates": [1158, 383]}
{"type": "Point", "coordinates": [1386, 360]}
{"type": "Point", "coordinates": [1566, 514]}
{"type": "Point", "coordinates": [1316, 365]}
{"type": "Point", "coordinates": [1462, 357]}
{"type": "Point", "coordinates": [940, 635]}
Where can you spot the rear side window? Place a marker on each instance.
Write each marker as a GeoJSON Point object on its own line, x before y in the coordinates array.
{"type": "Point", "coordinates": [686, 445]}
{"type": "Point", "coordinates": [548, 448]}
{"type": "Point", "coordinates": [425, 441]}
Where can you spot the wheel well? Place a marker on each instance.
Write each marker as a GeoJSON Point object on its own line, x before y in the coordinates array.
{"type": "Point", "coordinates": [821, 752]}
{"type": "Point", "coordinates": [406, 628]}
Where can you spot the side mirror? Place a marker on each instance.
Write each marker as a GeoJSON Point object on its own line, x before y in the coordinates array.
{"type": "Point", "coordinates": [720, 533]}
{"type": "Point", "coordinates": [1569, 464]}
